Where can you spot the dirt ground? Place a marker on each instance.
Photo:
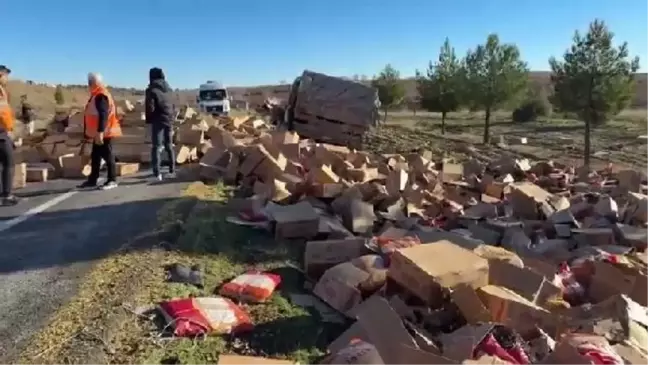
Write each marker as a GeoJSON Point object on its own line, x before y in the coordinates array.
{"type": "Point", "coordinates": [558, 139]}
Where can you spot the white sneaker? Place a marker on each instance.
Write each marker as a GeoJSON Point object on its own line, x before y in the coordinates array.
{"type": "Point", "coordinates": [159, 177]}
{"type": "Point", "coordinates": [108, 185]}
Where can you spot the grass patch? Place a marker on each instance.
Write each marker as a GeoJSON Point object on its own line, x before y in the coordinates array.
{"type": "Point", "coordinates": [101, 324]}
{"type": "Point", "coordinates": [224, 250]}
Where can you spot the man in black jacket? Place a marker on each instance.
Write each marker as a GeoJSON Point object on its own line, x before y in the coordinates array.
{"type": "Point", "coordinates": [160, 114]}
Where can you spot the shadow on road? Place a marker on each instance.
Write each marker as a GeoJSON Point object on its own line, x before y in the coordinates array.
{"type": "Point", "coordinates": [63, 237]}
{"type": "Point", "coordinates": [44, 258]}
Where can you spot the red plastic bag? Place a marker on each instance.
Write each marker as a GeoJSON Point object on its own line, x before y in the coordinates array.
{"type": "Point", "coordinates": [491, 347]}
{"type": "Point", "coordinates": [389, 245]}
{"type": "Point", "coordinates": [253, 286]}
{"type": "Point", "coordinates": [191, 317]}
{"type": "Point", "coordinates": [599, 354]}
{"type": "Point", "coordinates": [249, 215]}
{"type": "Point", "coordinates": [573, 291]}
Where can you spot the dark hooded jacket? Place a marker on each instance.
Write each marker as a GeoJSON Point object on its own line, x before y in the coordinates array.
{"type": "Point", "coordinates": [159, 105]}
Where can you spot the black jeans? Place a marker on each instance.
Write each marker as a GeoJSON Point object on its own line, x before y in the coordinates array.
{"type": "Point", "coordinates": [102, 152]}
{"type": "Point", "coordinates": [6, 165]}
{"type": "Point", "coordinates": [161, 134]}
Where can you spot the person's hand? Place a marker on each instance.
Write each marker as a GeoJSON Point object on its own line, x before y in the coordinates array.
{"type": "Point", "coordinates": [99, 138]}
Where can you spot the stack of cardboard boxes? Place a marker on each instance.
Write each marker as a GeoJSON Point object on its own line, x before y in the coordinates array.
{"type": "Point", "coordinates": [52, 153]}
{"type": "Point", "coordinates": [431, 257]}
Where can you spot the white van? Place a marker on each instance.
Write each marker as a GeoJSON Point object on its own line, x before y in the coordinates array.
{"type": "Point", "coordinates": [213, 98]}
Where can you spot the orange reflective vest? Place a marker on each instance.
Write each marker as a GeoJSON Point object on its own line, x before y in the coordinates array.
{"type": "Point", "coordinates": [7, 120]}
{"type": "Point", "coordinates": [91, 116]}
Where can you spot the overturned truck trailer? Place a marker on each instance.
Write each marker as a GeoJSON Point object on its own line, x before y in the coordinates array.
{"type": "Point", "coordinates": [331, 109]}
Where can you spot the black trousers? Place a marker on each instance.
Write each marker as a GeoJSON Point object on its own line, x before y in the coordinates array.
{"type": "Point", "coordinates": [102, 152]}
{"type": "Point", "coordinates": [6, 165]}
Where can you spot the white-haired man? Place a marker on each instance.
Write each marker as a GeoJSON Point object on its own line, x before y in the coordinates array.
{"type": "Point", "coordinates": [100, 125]}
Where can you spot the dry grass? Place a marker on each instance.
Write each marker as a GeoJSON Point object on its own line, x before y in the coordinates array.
{"type": "Point", "coordinates": [558, 139]}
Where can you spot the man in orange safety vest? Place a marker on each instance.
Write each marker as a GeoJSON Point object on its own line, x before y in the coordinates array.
{"type": "Point", "coordinates": [101, 126]}
{"type": "Point", "coordinates": [7, 122]}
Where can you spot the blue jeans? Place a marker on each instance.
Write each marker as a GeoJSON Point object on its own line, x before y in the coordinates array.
{"type": "Point", "coordinates": [161, 134]}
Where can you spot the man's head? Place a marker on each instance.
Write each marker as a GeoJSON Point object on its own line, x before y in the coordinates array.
{"type": "Point", "coordinates": [23, 97]}
{"type": "Point", "coordinates": [156, 73]}
{"type": "Point", "coordinates": [94, 79]}
{"type": "Point", "coordinates": [4, 74]}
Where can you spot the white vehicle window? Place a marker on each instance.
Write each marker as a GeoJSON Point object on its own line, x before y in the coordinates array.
{"type": "Point", "coordinates": [213, 95]}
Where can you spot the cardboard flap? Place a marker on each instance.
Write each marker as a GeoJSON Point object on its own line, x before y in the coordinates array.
{"type": "Point", "coordinates": [334, 251]}
{"type": "Point", "coordinates": [385, 329]}
{"type": "Point", "coordinates": [528, 283]}
{"type": "Point", "coordinates": [338, 287]}
{"type": "Point", "coordinates": [459, 345]}
{"type": "Point", "coordinates": [469, 304]}
{"type": "Point", "coordinates": [355, 331]}
{"type": "Point", "coordinates": [410, 355]}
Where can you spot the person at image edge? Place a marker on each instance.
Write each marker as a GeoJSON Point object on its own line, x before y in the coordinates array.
{"type": "Point", "coordinates": [7, 121]}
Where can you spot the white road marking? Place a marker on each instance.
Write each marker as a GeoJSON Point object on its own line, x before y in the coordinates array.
{"type": "Point", "coordinates": [35, 210]}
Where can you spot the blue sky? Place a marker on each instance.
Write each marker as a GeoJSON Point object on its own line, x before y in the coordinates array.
{"type": "Point", "coordinates": [252, 42]}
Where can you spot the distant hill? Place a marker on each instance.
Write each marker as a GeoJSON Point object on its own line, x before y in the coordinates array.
{"type": "Point", "coordinates": [42, 95]}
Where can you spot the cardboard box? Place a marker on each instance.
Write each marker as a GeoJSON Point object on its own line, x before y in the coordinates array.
{"type": "Point", "coordinates": [509, 308]}
{"type": "Point", "coordinates": [74, 167]}
{"type": "Point", "coordinates": [428, 268]}
{"type": "Point", "coordinates": [339, 286]}
{"type": "Point", "coordinates": [299, 220]}
{"type": "Point", "coordinates": [37, 173]}
{"type": "Point", "coordinates": [322, 255]}
{"type": "Point", "coordinates": [127, 168]}
{"type": "Point", "coordinates": [20, 176]}
{"type": "Point", "coordinates": [525, 198]}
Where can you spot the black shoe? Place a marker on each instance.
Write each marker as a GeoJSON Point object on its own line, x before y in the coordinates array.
{"type": "Point", "coordinates": [9, 201]}
{"type": "Point", "coordinates": [87, 184]}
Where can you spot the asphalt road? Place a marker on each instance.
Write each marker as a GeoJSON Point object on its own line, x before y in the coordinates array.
{"type": "Point", "coordinates": [51, 239]}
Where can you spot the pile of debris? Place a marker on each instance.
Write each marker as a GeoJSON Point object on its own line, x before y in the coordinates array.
{"type": "Point", "coordinates": [60, 151]}
{"type": "Point", "coordinates": [462, 262]}
{"type": "Point", "coordinates": [505, 262]}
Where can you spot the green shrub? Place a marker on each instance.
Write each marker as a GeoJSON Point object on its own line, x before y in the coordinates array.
{"type": "Point", "coordinates": [532, 108]}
